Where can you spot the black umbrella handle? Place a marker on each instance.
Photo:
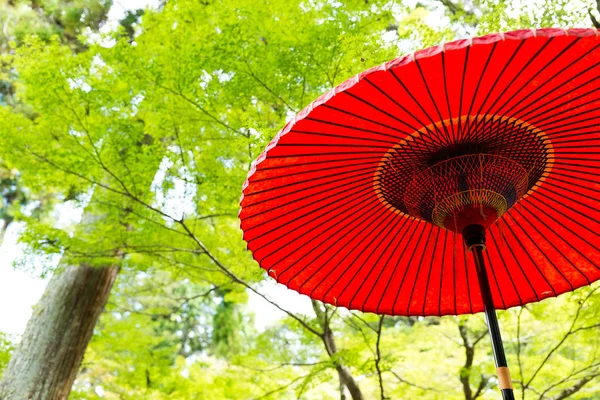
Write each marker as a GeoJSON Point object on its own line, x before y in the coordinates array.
{"type": "Point", "coordinates": [474, 236]}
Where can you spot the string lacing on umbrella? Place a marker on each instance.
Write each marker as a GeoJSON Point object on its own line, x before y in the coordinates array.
{"type": "Point", "coordinates": [465, 188]}
{"type": "Point", "coordinates": [433, 177]}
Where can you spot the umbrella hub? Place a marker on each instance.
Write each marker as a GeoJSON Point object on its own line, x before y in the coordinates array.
{"type": "Point", "coordinates": [466, 190]}
{"type": "Point", "coordinates": [463, 171]}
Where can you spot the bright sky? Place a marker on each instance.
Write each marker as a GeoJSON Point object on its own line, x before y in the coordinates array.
{"type": "Point", "coordinates": [22, 287]}
{"type": "Point", "coordinates": [19, 290]}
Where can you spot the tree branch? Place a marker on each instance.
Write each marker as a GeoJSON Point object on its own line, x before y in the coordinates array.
{"type": "Point", "coordinates": [378, 357]}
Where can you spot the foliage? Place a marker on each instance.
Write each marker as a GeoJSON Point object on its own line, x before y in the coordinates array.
{"type": "Point", "coordinates": [6, 347]}
{"type": "Point", "coordinates": [154, 135]}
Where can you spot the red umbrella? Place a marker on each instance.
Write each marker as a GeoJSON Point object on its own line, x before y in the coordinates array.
{"type": "Point", "coordinates": [362, 199]}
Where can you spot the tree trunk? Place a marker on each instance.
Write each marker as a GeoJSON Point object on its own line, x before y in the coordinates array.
{"type": "Point", "coordinates": [45, 364]}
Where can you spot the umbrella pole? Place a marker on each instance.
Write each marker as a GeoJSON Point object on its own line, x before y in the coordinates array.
{"type": "Point", "coordinates": [474, 236]}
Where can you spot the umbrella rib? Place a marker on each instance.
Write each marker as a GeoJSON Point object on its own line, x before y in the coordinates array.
{"type": "Point", "coordinates": [306, 172]}
{"type": "Point", "coordinates": [476, 92]}
{"type": "Point", "coordinates": [381, 269]}
{"type": "Point", "coordinates": [433, 253]}
{"type": "Point", "coordinates": [362, 221]}
{"type": "Point", "coordinates": [283, 156]}
{"type": "Point", "coordinates": [370, 254]}
{"type": "Point", "coordinates": [447, 97]}
{"type": "Point", "coordinates": [467, 276]}
{"type": "Point", "coordinates": [419, 266]}
{"type": "Point", "coordinates": [446, 232]}
{"type": "Point", "coordinates": [390, 280]}
{"type": "Point", "coordinates": [560, 114]}
{"type": "Point", "coordinates": [270, 189]}
{"type": "Point", "coordinates": [391, 224]}
{"type": "Point", "coordinates": [561, 168]}
{"type": "Point", "coordinates": [583, 153]}
{"type": "Point", "coordinates": [496, 283]}
{"type": "Point", "coordinates": [562, 117]}
{"type": "Point", "coordinates": [508, 273]}
{"type": "Point", "coordinates": [433, 102]}
{"type": "Point", "coordinates": [492, 268]}
{"type": "Point", "coordinates": [519, 242]}
{"type": "Point", "coordinates": [332, 145]}
{"type": "Point", "coordinates": [417, 103]}
{"type": "Point", "coordinates": [362, 217]}
{"type": "Point", "coordinates": [462, 89]}
{"type": "Point", "coordinates": [576, 159]}
{"type": "Point", "coordinates": [566, 206]}
{"type": "Point", "coordinates": [541, 252]}
{"type": "Point", "coordinates": [532, 102]}
{"type": "Point", "coordinates": [379, 109]}
{"type": "Point", "coordinates": [538, 72]}
{"type": "Point", "coordinates": [563, 103]}
{"type": "Point", "coordinates": [548, 182]}
{"type": "Point", "coordinates": [512, 142]}
{"type": "Point", "coordinates": [518, 74]}
{"type": "Point", "coordinates": [360, 187]}
{"type": "Point", "coordinates": [429, 132]}
{"type": "Point", "coordinates": [555, 173]}
{"type": "Point", "coordinates": [397, 247]}
{"type": "Point", "coordinates": [560, 134]}
{"type": "Point", "coordinates": [336, 135]}
{"type": "Point", "coordinates": [352, 127]}
{"type": "Point", "coordinates": [355, 201]}
{"type": "Point", "coordinates": [571, 231]}
{"type": "Point", "coordinates": [407, 266]}
{"type": "Point", "coordinates": [589, 146]}
{"type": "Point", "coordinates": [502, 71]}
{"type": "Point", "coordinates": [550, 130]}
{"type": "Point", "coordinates": [556, 142]}
{"type": "Point", "coordinates": [569, 133]}
{"type": "Point", "coordinates": [420, 143]}
{"type": "Point", "coordinates": [565, 241]}
{"type": "Point", "coordinates": [273, 167]}
{"type": "Point", "coordinates": [476, 132]}
{"type": "Point", "coordinates": [341, 110]}
{"type": "Point", "coordinates": [554, 246]}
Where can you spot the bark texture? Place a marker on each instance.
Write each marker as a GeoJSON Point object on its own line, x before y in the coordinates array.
{"type": "Point", "coordinates": [45, 364]}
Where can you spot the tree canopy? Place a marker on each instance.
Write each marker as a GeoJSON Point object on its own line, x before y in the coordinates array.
{"type": "Point", "coordinates": [152, 129]}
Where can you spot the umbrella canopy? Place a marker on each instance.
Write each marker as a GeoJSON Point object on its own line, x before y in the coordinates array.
{"type": "Point", "coordinates": [360, 201]}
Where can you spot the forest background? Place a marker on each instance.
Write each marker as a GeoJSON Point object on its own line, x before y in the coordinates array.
{"type": "Point", "coordinates": [125, 141]}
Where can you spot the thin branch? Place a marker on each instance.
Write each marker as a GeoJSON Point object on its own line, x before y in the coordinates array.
{"type": "Point", "coordinates": [174, 309]}
{"type": "Point", "coordinates": [402, 380]}
{"type": "Point", "coordinates": [267, 88]}
{"type": "Point", "coordinates": [236, 279]}
{"type": "Point", "coordinates": [570, 377]}
{"type": "Point", "coordinates": [519, 361]}
{"type": "Point", "coordinates": [564, 338]}
{"type": "Point", "coordinates": [378, 357]}
{"type": "Point", "coordinates": [482, 385]}
{"type": "Point", "coordinates": [282, 365]}
{"type": "Point", "coordinates": [201, 109]}
{"type": "Point", "coordinates": [575, 388]}
{"type": "Point", "coordinates": [281, 388]}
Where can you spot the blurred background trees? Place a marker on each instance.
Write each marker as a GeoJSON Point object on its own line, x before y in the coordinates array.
{"type": "Point", "coordinates": [151, 128]}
